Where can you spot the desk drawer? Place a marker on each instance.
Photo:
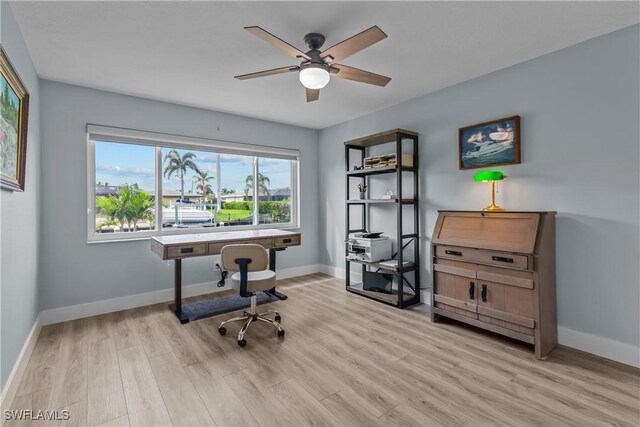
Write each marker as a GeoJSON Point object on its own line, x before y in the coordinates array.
{"type": "Point", "coordinates": [216, 248]}
{"type": "Point", "coordinates": [283, 242]}
{"type": "Point", "coordinates": [184, 251]}
{"type": "Point", "coordinates": [503, 259]}
{"type": "Point", "coordinates": [454, 252]}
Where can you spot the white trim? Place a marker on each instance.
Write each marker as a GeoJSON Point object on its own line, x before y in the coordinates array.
{"type": "Point", "coordinates": [78, 311]}
{"type": "Point", "coordinates": [131, 136]}
{"type": "Point", "coordinates": [256, 191]}
{"type": "Point", "coordinates": [425, 296]}
{"type": "Point", "coordinates": [338, 272]}
{"type": "Point", "coordinates": [287, 273]}
{"type": "Point", "coordinates": [91, 187]}
{"type": "Point", "coordinates": [158, 175]}
{"type": "Point", "coordinates": [11, 386]}
{"type": "Point", "coordinates": [146, 235]}
{"type": "Point", "coordinates": [600, 346]}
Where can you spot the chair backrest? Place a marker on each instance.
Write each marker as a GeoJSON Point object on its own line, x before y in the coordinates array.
{"type": "Point", "coordinates": [257, 253]}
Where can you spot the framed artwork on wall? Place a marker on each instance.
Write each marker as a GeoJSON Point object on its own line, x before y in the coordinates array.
{"type": "Point", "coordinates": [14, 122]}
{"type": "Point", "coordinates": [490, 143]}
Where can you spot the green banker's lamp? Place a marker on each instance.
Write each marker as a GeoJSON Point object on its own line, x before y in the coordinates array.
{"type": "Point", "coordinates": [491, 176]}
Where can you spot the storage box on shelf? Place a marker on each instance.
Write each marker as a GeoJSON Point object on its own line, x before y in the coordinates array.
{"type": "Point", "coordinates": [407, 274]}
{"type": "Point", "coordinates": [496, 271]}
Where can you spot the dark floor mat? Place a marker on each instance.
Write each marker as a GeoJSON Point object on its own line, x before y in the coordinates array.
{"type": "Point", "coordinates": [216, 306]}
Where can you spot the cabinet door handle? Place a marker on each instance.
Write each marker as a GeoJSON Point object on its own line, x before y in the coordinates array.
{"type": "Point", "coordinates": [456, 253]}
{"type": "Point", "coordinates": [483, 293]}
{"type": "Point", "coordinates": [472, 290]}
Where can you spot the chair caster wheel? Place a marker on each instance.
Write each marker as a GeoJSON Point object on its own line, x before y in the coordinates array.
{"type": "Point", "coordinates": [277, 318]}
{"type": "Point", "coordinates": [242, 343]}
{"type": "Point", "coordinates": [222, 330]}
{"type": "Point", "coordinates": [281, 333]}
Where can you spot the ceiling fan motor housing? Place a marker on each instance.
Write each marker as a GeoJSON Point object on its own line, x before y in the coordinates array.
{"type": "Point", "coordinates": [314, 40]}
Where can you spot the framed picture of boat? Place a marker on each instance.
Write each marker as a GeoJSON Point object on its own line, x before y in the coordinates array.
{"type": "Point", "coordinates": [490, 144]}
{"type": "Point", "coordinates": [14, 115]}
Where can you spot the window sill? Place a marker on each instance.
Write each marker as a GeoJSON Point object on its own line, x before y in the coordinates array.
{"type": "Point", "coordinates": [149, 234]}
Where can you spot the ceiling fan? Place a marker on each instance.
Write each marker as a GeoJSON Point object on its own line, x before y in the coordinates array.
{"type": "Point", "coordinates": [317, 66]}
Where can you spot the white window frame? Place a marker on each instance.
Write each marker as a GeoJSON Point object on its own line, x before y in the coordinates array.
{"type": "Point", "coordinates": [160, 141]}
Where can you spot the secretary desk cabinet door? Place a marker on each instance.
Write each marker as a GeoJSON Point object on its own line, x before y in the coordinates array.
{"type": "Point", "coordinates": [455, 287]}
{"type": "Point", "coordinates": [506, 299]}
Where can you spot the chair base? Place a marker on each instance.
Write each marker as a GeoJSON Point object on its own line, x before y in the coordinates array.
{"type": "Point", "coordinates": [249, 318]}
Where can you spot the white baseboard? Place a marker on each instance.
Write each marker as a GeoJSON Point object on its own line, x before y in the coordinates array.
{"type": "Point", "coordinates": [425, 297]}
{"type": "Point", "coordinates": [340, 273]}
{"type": "Point", "coordinates": [11, 386]}
{"type": "Point", "coordinates": [63, 314]}
{"type": "Point", "coordinates": [600, 346]}
{"type": "Point", "coordinates": [287, 273]}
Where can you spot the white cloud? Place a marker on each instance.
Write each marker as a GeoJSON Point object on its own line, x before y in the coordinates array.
{"type": "Point", "coordinates": [120, 171]}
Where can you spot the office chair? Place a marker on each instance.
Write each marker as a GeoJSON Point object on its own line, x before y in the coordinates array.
{"type": "Point", "coordinates": [252, 275]}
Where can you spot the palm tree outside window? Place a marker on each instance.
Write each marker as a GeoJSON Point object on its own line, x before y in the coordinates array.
{"type": "Point", "coordinates": [179, 165]}
{"type": "Point", "coordinates": [263, 186]}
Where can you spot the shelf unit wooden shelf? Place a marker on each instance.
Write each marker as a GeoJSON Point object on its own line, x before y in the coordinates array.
{"type": "Point", "coordinates": [406, 274]}
{"type": "Point", "coordinates": [380, 171]}
{"type": "Point", "coordinates": [378, 265]}
{"type": "Point", "coordinates": [379, 201]}
{"type": "Point", "coordinates": [386, 298]}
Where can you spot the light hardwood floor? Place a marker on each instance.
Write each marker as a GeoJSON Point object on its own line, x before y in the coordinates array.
{"type": "Point", "coordinates": [345, 360]}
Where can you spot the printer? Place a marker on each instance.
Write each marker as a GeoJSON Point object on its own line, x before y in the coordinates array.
{"type": "Point", "coordinates": [369, 247]}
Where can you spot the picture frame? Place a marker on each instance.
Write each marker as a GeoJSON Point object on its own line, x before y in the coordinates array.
{"type": "Point", "coordinates": [14, 124]}
{"type": "Point", "coordinates": [487, 144]}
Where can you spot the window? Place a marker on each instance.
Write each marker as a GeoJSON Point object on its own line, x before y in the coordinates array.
{"type": "Point", "coordinates": [125, 188]}
{"type": "Point", "coordinates": [142, 184]}
{"type": "Point", "coordinates": [274, 190]}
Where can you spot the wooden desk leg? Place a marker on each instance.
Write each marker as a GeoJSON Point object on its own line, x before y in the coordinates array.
{"type": "Point", "coordinates": [272, 267]}
{"type": "Point", "coordinates": [177, 279]}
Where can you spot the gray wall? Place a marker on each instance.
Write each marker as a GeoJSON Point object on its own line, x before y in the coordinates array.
{"type": "Point", "coordinates": [73, 271]}
{"type": "Point", "coordinates": [580, 142]}
{"type": "Point", "coordinates": [19, 217]}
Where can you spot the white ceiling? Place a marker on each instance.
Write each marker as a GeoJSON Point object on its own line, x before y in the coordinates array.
{"type": "Point", "coordinates": [188, 52]}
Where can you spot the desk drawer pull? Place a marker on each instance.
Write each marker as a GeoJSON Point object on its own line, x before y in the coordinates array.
{"type": "Point", "coordinates": [502, 259]}
{"type": "Point", "coordinates": [286, 240]}
{"type": "Point", "coordinates": [186, 250]}
{"type": "Point", "coordinates": [456, 253]}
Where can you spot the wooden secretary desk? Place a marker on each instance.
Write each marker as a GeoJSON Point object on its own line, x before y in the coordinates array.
{"type": "Point", "coordinates": [496, 271]}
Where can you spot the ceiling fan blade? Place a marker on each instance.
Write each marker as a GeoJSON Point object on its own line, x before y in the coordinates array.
{"type": "Point", "coordinates": [266, 73]}
{"type": "Point", "coordinates": [313, 94]}
{"type": "Point", "coordinates": [358, 75]}
{"type": "Point", "coordinates": [354, 44]}
{"type": "Point", "coordinates": [276, 42]}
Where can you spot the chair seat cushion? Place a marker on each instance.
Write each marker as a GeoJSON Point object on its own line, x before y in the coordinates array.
{"type": "Point", "coordinates": [257, 280]}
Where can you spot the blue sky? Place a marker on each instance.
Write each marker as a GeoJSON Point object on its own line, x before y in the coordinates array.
{"type": "Point", "coordinates": [119, 164]}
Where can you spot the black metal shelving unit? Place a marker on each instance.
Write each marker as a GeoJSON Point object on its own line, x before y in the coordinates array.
{"type": "Point", "coordinates": [408, 292]}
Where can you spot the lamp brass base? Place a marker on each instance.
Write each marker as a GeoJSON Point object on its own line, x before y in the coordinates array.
{"type": "Point", "coordinates": [493, 207]}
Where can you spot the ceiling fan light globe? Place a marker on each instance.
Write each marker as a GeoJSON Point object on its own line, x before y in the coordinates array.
{"type": "Point", "coordinates": [314, 78]}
